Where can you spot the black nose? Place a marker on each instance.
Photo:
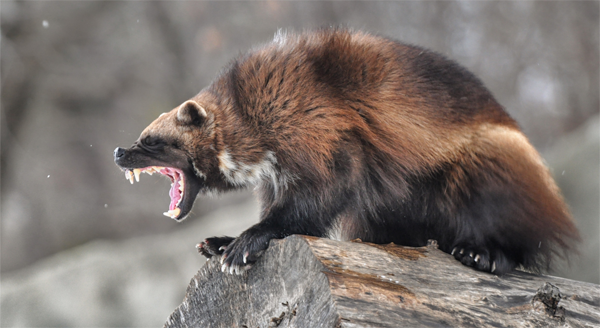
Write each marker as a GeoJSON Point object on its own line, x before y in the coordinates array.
{"type": "Point", "coordinates": [119, 152]}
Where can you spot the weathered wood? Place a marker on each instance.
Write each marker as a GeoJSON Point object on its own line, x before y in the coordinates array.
{"type": "Point", "coordinates": [310, 282]}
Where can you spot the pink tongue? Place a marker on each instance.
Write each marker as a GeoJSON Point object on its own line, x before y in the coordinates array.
{"type": "Point", "coordinates": [174, 193]}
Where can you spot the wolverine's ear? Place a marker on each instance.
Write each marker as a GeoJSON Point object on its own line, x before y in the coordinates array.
{"type": "Point", "coordinates": [190, 112]}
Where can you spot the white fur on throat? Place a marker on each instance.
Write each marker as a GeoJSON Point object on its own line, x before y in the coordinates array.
{"type": "Point", "coordinates": [242, 174]}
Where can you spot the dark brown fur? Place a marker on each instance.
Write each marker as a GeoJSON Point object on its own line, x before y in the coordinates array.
{"type": "Point", "coordinates": [360, 136]}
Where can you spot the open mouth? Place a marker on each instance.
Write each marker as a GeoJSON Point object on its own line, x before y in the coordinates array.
{"type": "Point", "coordinates": [177, 190]}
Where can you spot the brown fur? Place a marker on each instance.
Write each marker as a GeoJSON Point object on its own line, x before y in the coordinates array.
{"type": "Point", "coordinates": [377, 140]}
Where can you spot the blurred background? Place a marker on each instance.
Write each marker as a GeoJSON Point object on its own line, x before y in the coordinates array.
{"type": "Point", "coordinates": [80, 246]}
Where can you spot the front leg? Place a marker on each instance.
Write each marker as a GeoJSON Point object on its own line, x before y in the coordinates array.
{"type": "Point", "coordinates": [277, 223]}
{"type": "Point", "coordinates": [304, 214]}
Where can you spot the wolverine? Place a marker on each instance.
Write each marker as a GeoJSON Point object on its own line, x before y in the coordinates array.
{"type": "Point", "coordinates": [347, 135]}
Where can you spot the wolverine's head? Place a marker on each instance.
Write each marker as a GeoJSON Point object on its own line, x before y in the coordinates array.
{"type": "Point", "coordinates": [180, 145]}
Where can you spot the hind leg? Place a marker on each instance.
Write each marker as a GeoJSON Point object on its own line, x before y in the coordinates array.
{"type": "Point", "coordinates": [482, 258]}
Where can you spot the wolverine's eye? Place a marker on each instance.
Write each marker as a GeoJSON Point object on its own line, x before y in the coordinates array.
{"type": "Point", "coordinates": [153, 142]}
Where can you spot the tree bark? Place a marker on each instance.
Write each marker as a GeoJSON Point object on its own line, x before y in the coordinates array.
{"type": "Point", "coordinates": [304, 281]}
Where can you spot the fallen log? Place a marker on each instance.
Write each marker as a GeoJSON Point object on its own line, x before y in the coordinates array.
{"type": "Point", "coordinates": [310, 282]}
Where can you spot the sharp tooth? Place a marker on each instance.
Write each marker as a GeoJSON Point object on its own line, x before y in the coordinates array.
{"type": "Point", "coordinates": [137, 172]}
{"type": "Point", "coordinates": [129, 176]}
{"type": "Point", "coordinates": [172, 213]}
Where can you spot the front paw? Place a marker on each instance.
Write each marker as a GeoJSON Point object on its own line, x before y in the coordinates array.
{"type": "Point", "coordinates": [214, 246]}
{"type": "Point", "coordinates": [244, 251]}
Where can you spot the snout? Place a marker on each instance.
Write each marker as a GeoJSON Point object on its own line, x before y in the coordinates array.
{"type": "Point", "coordinates": [119, 155]}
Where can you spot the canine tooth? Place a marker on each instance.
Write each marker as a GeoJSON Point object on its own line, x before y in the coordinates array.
{"type": "Point", "coordinates": [172, 213]}
{"type": "Point", "coordinates": [137, 172]}
{"type": "Point", "coordinates": [129, 176]}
